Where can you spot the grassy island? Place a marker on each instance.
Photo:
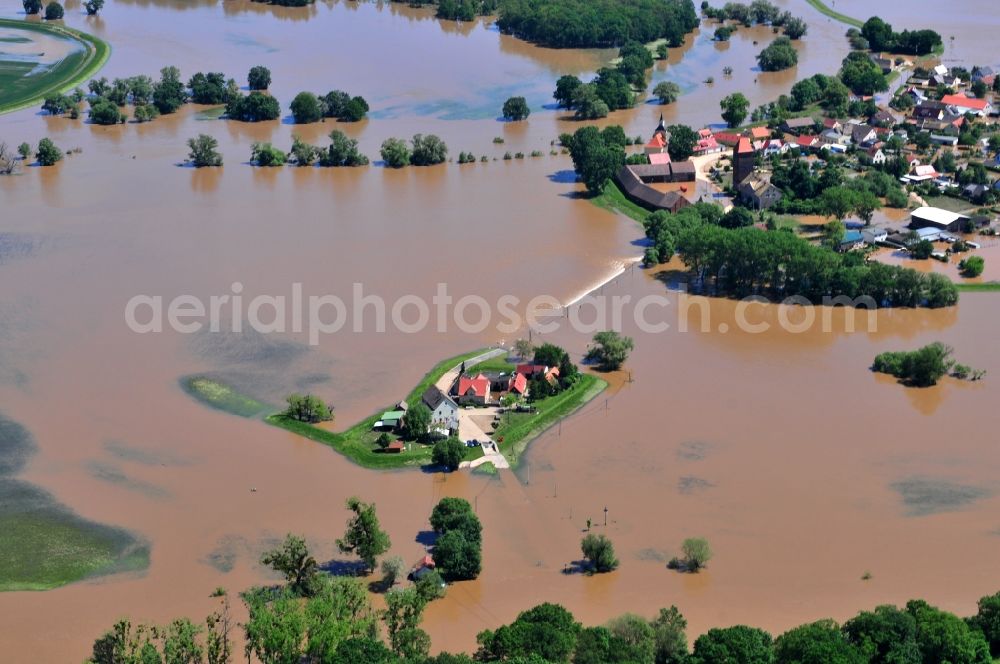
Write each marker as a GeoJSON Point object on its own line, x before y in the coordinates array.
{"type": "Point", "coordinates": [20, 90]}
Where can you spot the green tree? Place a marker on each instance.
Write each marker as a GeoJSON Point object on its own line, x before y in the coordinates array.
{"type": "Point", "coordinates": [304, 153]}
{"type": "Point", "coordinates": [682, 142]}
{"type": "Point", "coordinates": [354, 110]}
{"type": "Point", "coordinates": [987, 620]}
{"type": "Point", "coordinates": [402, 617]}
{"type": "Point", "coordinates": [944, 637]}
{"type": "Point", "coordinates": [103, 112]}
{"type": "Point", "coordinates": [778, 55]}
{"type": "Point", "coordinates": [180, 643]}
{"type": "Point", "coordinates": [566, 88]}
{"type": "Point", "coordinates": [742, 644]}
{"type": "Point", "coordinates": [547, 631]}
{"type": "Point", "coordinates": [363, 649]}
{"type": "Point", "coordinates": [599, 553]}
{"type": "Point", "coordinates": [820, 642]}
{"type": "Point", "coordinates": [667, 92]}
{"type": "Point", "coordinates": [275, 629]}
{"type": "Point", "coordinates": [259, 78]}
{"type": "Point", "coordinates": [292, 559]}
{"type": "Point", "coordinates": [516, 108]}
{"type": "Point", "coordinates": [211, 88]}
{"type": "Point", "coordinates": [93, 6]}
{"type": "Point", "coordinates": [595, 159]}
{"type": "Point", "coordinates": [696, 552]}
{"type": "Point", "coordinates": [885, 636]}
{"type": "Point", "coordinates": [31, 7]}
{"type": "Point", "coordinates": [670, 640]}
{"type": "Point", "coordinates": [53, 11]}
{"type": "Point", "coordinates": [364, 536]}
{"type": "Point", "coordinates": [47, 153]}
{"type": "Point", "coordinates": [392, 571]}
{"type": "Point", "coordinates": [254, 107]}
{"type": "Point", "coordinates": [879, 34]}
{"type": "Point", "coordinates": [838, 202]}
{"type": "Point", "coordinates": [24, 149]}
{"type": "Point", "coordinates": [610, 350]}
{"type": "Point", "coordinates": [588, 103]}
{"type": "Point", "coordinates": [395, 153]}
{"type": "Point", "coordinates": [428, 150]}
{"type": "Point", "coordinates": [307, 408]}
{"type": "Point", "coordinates": [457, 557]}
{"type": "Point", "coordinates": [921, 368]}
{"type": "Point", "coordinates": [340, 611]}
{"type": "Point", "coordinates": [343, 151]}
{"type": "Point", "coordinates": [734, 108]}
{"type": "Point", "coordinates": [417, 422]}
{"type": "Point", "coordinates": [169, 93]}
{"type": "Point", "coordinates": [737, 217]}
{"type": "Point", "coordinates": [305, 108]}
{"type": "Point", "coordinates": [448, 453]}
{"type": "Point", "coordinates": [452, 514]}
{"type": "Point", "coordinates": [431, 586]}
{"type": "Point", "coordinates": [265, 154]}
{"type": "Point", "coordinates": [972, 266]}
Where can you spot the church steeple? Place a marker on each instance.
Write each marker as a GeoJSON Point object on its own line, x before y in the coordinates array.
{"type": "Point", "coordinates": [661, 128]}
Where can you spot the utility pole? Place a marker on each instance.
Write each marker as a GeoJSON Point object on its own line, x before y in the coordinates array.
{"type": "Point", "coordinates": [605, 515]}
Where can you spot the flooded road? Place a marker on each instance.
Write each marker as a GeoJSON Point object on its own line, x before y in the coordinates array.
{"type": "Point", "coordinates": [781, 449]}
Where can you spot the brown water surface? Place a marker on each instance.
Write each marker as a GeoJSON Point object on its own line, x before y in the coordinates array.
{"type": "Point", "coordinates": [801, 467]}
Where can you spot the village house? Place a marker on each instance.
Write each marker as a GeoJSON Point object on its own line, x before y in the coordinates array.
{"type": "Point", "coordinates": [757, 191]}
{"type": "Point", "coordinates": [863, 135]}
{"type": "Point", "coordinates": [798, 125]}
{"type": "Point", "coordinates": [936, 219]}
{"type": "Point", "coordinates": [873, 235]}
{"type": "Point", "coordinates": [852, 240]}
{"type": "Point", "coordinates": [962, 104]}
{"type": "Point", "coordinates": [444, 411]}
{"type": "Point", "coordinates": [876, 155]}
{"type": "Point", "coordinates": [883, 62]}
{"type": "Point", "coordinates": [473, 390]}
{"type": "Point", "coordinates": [882, 118]}
{"type": "Point", "coordinates": [707, 143]}
{"type": "Point", "coordinates": [833, 124]}
{"type": "Point", "coordinates": [744, 160]}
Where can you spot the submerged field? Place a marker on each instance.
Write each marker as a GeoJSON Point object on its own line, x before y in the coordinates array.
{"type": "Point", "coordinates": [38, 59]}
{"type": "Point", "coordinates": [45, 544]}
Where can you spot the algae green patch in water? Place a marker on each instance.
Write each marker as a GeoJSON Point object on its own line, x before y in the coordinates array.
{"type": "Point", "coordinates": [485, 469]}
{"type": "Point", "coordinates": [218, 395]}
{"type": "Point", "coordinates": [44, 544]}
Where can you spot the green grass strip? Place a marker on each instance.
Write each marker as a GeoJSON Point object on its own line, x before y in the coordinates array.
{"type": "Point", "coordinates": [614, 200]}
{"type": "Point", "coordinates": [837, 16]}
{"type": "Point", "coordinates": [62, 78]}
{"type": "Point", "coordinates": [982, 287]}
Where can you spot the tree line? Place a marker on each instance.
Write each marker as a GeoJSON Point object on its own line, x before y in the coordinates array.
{"type": "Point", "coordinates": [597, 23]}
{"type": "Point", "coordinates": [740, 260]}
{"type": "Point", "coordinates": [881, 37]}
{"type": "Point", "coordinates": [611, 89]}
{"type": "Point", "coordinates": [338, 625]}
{"type": "Point", "coordinates": [758, 12]}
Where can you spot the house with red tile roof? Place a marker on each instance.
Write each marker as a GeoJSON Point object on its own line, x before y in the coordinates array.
{"type": "Point", "coordinates": [657, 143]}
{"type": "Point", "coordinates": [659, 158]}
{"type": "Point", "coordinates": [473, 390]}
{"type": "Point", "coordinates": [518, 384]}
{"type": "Point", "coordinates": [963, 104]}
{"type": "Point", "coordinates": [707, 143]}
{"type": "Point", "coordinates": [760, 133]}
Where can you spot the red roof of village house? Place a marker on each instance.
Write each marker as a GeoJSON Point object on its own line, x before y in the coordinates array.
{"type": "Point", "coordinates": [518, 383]}
{"type": "Point", "coordinates": [744, 145]}
{"type": "Point", "coordinates": [396, 446]}
{"type": "Point", "coordinates": [806, 141]}
{"type": "Point", "coordinates": [659, 158]}
{"type": "Point", "coordinates": [656, 141]}
{"type": "Point", "coordinates": [479, 386]}
{"type": "Point", "coordinates": [727, 138]}
{"type": "Point", "coordinates": [530, 369]}
{"type": "Point", "coordinates": [760, 132]}
{"type": "Point", "coordinates": [964, 102]}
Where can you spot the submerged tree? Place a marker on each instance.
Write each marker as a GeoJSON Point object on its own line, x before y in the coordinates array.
{"type": "Point", "coordinates": [292, 559]}
{"type": "Point", "coordinates": [364, 536]}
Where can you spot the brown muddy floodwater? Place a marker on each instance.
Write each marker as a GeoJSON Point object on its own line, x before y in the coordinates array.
{"type": "Point", "coordinates": [801, 467]}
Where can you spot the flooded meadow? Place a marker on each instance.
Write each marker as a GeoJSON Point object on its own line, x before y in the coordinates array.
{"type": "Point", "coordinates": [801, 467]}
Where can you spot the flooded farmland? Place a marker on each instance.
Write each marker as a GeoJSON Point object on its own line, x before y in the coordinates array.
{"type": "Point", "coordinates": [782, 449]}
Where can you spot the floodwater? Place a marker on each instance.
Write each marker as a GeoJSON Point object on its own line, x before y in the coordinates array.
{"type": "Point", "coordinates": [802, 468]}
{"type": "Point", "coordinates": [968, 29]}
